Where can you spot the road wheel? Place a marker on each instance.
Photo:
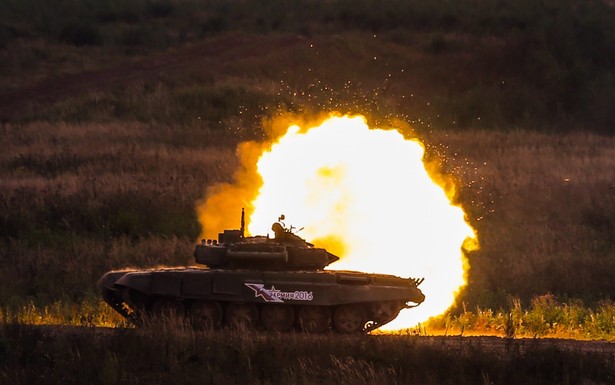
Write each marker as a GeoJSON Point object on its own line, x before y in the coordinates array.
{"type": "Point", "coordinates": [277, 318]}
{"type": "Point", "coordinates": [348, 319]}
{"type": "Point", "coordinates": [383, 312]}
{"type": "Point", "coordinates": [241, 315]}
{"type": "Point", "coordinates": [206, 315]}
{"type": "Point", "coordinates": [314, 319]}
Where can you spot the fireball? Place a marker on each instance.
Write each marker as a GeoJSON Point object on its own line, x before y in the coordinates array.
{"type": "Point", "coordinates": [365, 195]}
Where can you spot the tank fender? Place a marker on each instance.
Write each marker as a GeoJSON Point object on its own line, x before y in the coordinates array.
{"type": "Point", "coordinates": [136, 281]}
{"type": "Point", "coordinates": [108, 280]}
{"type": "Point", "coordinates": [168, 284]}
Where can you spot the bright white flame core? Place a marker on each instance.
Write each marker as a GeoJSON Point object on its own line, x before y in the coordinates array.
{"type": "Point", "coordinates": [367, 189]}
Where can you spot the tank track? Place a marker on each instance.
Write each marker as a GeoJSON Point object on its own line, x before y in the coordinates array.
{"type": "Point", "coordinates": [114, 299]}
{"type": "Point", "coordinates": [213, 315]}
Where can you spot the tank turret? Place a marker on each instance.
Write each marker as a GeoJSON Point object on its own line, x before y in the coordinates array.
{"type": "Point", "coordinates": [286, 251]}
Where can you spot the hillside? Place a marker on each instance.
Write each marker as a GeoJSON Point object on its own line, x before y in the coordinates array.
{"type": "Point", "coordinates": [497, 65]}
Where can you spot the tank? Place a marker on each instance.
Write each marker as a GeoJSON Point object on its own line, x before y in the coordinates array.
{"type": "Point", "coordinates": [276, 284]}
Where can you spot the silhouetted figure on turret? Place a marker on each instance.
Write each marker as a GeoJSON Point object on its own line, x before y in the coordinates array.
{"type": "Point", "coordinates": [279, 229]}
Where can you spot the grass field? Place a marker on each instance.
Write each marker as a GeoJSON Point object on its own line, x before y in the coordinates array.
{"type": "Point", "coordinates": [115, 117]}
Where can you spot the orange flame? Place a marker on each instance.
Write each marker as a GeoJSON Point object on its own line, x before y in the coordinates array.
{"type": "Point", "coordinates": [365, 195]}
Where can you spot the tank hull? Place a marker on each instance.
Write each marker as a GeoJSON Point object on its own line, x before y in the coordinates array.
{"type": "Point", "coordinates": [313, 301]}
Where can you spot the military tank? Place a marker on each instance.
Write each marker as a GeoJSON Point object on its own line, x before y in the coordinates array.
{"type": "Point", "coordinates": [277, 284]}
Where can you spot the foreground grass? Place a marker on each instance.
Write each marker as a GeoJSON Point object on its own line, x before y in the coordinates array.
{"type": "Point", "coordinates": [36, 355]}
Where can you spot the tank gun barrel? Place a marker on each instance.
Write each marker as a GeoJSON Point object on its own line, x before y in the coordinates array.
{"type": "Point", "coordinates": [243, 223]}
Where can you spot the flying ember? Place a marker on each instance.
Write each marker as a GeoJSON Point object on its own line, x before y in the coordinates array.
{"type": "Point", "coordinates": [363, 194]}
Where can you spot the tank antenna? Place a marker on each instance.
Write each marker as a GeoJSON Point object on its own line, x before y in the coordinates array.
{"type": "Point", "coordinates": [243, 222]}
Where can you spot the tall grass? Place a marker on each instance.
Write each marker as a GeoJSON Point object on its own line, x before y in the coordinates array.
{"type": "Point", "coordinates": [81, 199]}
{"type": "Point", "coordinates": [205, 105]}
{"type": "Point", "coordinates": [544, 316]}
{"type": "Point", "coordinates": [179, 355]}
{"type": "Point", "coordinates": [542, 206]}
{"type": "Point", "coordinates": [91, 312]}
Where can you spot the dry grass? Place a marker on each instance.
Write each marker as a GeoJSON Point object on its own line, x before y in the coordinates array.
{"type": "Point", "coordinates": [543, 206]}
{"type": "Point", "coordinates": [39, 355]}
{"type": "Point", "coordinates": [81, 199]}
{"type": "Point", "coordinates": [545, 316]}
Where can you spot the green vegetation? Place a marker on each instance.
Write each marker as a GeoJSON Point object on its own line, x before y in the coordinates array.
{"type": "Point", "coordinates": [203, 104]}
{"type": "Point", "coordinates": [545, 317]}
{"type": "Point", "coordinates": [498, 64]}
